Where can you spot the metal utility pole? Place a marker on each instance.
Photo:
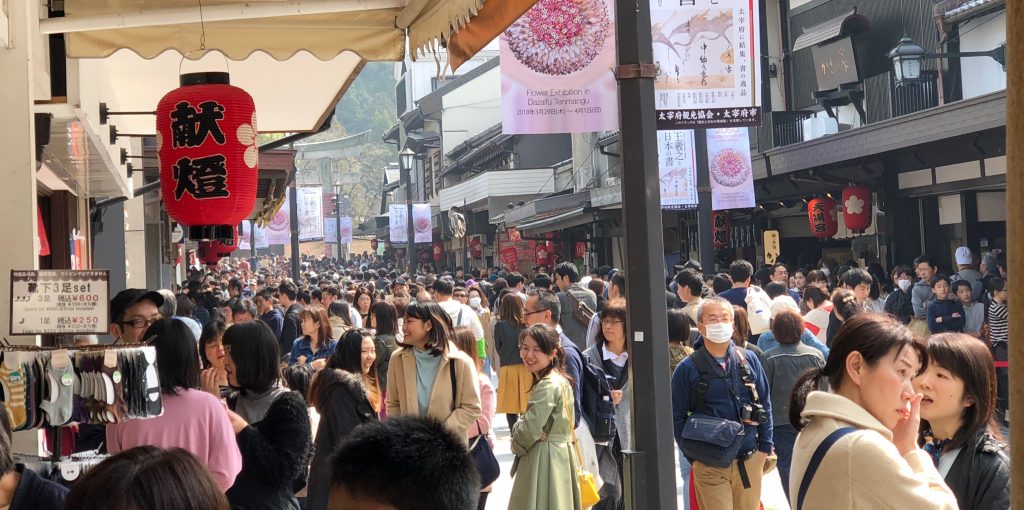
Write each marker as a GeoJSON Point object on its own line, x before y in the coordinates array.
{"type": "Point", "coordinates": [650, 470]}
{"type": "Point", "coordinates": [252, 238]}
{"type": "Point", "coordinates": [704, 210]}
{"type": "Point", "coordinates": [293, 220]}
{"type": "Point", "coordinates": [405, 160]}
{"type": "Point", "coordinates": [337, 219]}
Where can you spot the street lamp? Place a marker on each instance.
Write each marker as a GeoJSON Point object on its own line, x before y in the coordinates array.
{"type": "Point", "coordinates": [405, 160]}
{"type": "Point", "coordinates": [907, 56]}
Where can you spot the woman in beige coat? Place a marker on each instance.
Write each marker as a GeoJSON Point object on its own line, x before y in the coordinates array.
{"type": "Point", "coordinates": [422, 372]}
{"type": "Point", "coordinates": [864, 430]}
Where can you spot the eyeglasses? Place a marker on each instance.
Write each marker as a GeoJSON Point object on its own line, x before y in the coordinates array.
{"type": "Point", "coordinates": [527, 314]}
{"type": "Point", "coordinates": [610, 322]}
{"type": "Point", "coordinates": [139, 323]}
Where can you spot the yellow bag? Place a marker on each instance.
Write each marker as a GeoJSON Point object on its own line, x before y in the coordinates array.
{"type": "Point", "coordinates": [588, 487]}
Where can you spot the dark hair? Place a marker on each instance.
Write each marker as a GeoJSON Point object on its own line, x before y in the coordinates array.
{"type": "Point", "coordinates": [569, 269]}
{"type": "Point", "coordinates": [288, 288]}
{"type": "Point", "coordinates": [924, 259]}
{"type": "Point", "coordinates": [514, 279]}
{"type": "Point", "coordinates": [691, 280]}
{"type": "Point", "coordinates": [419, 454]}
{"type": "Point", "coordinates": [484, 302]}
{"type": "Point", "coordinates": [297, 378]}
{"type": "Point", "coordinates": [185, 308]}
{"type": "Point", "coordinates": [939, 278]}
{"type": "Point", "coordinates": [510, 309]}
{"type": "Point", "coordinates": [542, 280]}
{"type": "Point", "coordinates": [596, 285]}
{"type": "Point", "coordinates": [244, 306]}
{"type": "Point", "coordinates": [903, 269]}
{"type": "Point", "coordinates": [740, 325]}
{"type": "Point", "coordinates": [348, 353]}
{"type": "Point", "coordinates": [359, 293]}
{"type": "Point", "coordinates": [814, 295]}
{"type": "Point", "coordinates": [547, 340]}
{"type": "Point", "coordinates": [444, 286]}
{"type": "Point", "coordinates": [235, 283]}
{"type": "Point", "coordinates": [874, 336]}
{"type": "Point", "coordinates": [464, 338]}
{"type": "Point", "coordinates": [176, 353]}
{"type": "Point", "coordinates": [613, 309]}
{"type": "Point", "coordinates": [339, 308]}
{"type": "Point", "coordinates": [856, 276]}
{"type": "Point", "coordinates": [385, 318]}
{"type": "Point", "coordinates": [845, 304]}
{"type": "Point", "coordinates": [776, 289]}
{"type": "Point", "coordinates": [150, 478]}
{"type": "Point", "coordinates": [618, 280]}
{"type": "Point", "coordinates": [441, 324]}
{"type": "Point", "coordinates": [678, 326]}
{"type": "Point", "coordinates": [254, 351]}
{"type": "Point", "coordinates": [970, 361]}
{"type": "Point", "coordinates": [317, 314]}
{"type": "Point", "coordinates": [548, 301]}
{"type": "Point", "coordinates": [787, 326]}
{"type": "Point", "coordinates": [961, 283]}
{"type": "Point", "coordinates": [721, 283]}
{"type": "Point", "coordinates": [7, 464]}
{"type": "Point", "coordinates": [740, 271]}
{"type": "Point", "coordinates": [212, 331]}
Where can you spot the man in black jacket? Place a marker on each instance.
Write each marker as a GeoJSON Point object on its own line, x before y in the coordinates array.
{"type": "Point", "coordinates": [291, 329]}
{"type": "Point", "coordinates": [899, 303]}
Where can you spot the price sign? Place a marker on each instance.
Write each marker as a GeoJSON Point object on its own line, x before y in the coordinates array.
{"type": "Point", "coordinates": [59, 302]}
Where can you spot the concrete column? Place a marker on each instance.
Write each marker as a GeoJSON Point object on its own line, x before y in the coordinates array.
{"type": "Point", "coordinates": [19, 249]}
{"type": "Point", "coordinates": [1014, 233]}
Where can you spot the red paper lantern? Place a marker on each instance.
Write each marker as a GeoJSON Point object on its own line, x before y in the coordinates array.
{"type": "Point", "coordinates": [476, 249]}
{"type": "Point", "coordinates": [438, 251]}
{"type": "Point", "coordinates": [208, 152]}
{"type": "Point", "coordinates": [210, 252]}
{"type": "Point", "coordinates": [580, 249]}
{"type": "Point", "coordinates": [721, 224]}
{"type": "Point", "coordinates": [374, 244]}
{"type": "Point", "coordinates": [821, 213]}
{"type": "Point", "coordinates": [857, 208]}
{"type": "Point", "coordinates": [543, 253]}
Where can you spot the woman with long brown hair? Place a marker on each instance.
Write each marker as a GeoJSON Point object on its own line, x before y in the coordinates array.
{"type": "Point", "coordinates": [315, 344]}
{"type": "Point", "coordinates": [514, 380]}
{"type": "Point", "coordinates": [958, 421]}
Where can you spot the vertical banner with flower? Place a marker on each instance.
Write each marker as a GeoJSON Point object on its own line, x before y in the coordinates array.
{"type": "Point", "coordinates": [398, 223]}
{"type": "Point", "coordinates": [279, 228]}
{"type": "Point", "coordinates": [245, 237]}
{"type": "Point", "coordinates": [732, 178]}
{"type": "Point", "coordinates": [556, 63]}
{"type": "Point", "coordinates": [346, 229]}
{"type": "Point", "coordinates": [423, 228]}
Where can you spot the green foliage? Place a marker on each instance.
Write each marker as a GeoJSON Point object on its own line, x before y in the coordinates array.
{"type": "Point", "coordinates": [370, 101]}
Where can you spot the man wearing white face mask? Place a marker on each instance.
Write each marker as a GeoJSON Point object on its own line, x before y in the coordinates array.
{"type": "Point", "coordinates": [722, 387]}
{"type": "Point", "coordinates": [900, 301]}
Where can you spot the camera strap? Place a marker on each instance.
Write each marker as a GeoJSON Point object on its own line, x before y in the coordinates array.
{"type": "Point", "coordinates": [745, 374]}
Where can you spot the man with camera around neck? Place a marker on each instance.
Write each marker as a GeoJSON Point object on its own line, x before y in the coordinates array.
{"type": "Point", "coordinates": [721, 387]}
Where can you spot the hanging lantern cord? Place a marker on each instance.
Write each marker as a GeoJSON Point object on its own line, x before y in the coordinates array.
{"type": "Point", "coordinates": [202, 28]}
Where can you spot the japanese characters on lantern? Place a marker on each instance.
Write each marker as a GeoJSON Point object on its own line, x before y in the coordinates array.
{"type": "Point", "coordinates": [208, 153]}
{"type": "Point", "coordinates": [721, 224]}
{"type": "Point", "coordinates": [821, 213]}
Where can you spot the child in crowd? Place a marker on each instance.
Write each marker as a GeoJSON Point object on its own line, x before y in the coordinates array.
{"type": "Point", "coordinates": [944, 314]}
{"type": "Point", "coordinates": [974, 312]}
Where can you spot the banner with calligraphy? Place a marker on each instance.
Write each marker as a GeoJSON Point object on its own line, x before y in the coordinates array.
{"type": "Point", "coordinates": [708, 58]}
{"type": "Point", "coordinates": [398, 223]}
{"type": "Point", "coordinates": [556, 69]}
{"type": "Point", "coordinates": [311, 213]}
{"type": "Point", "coordinates": [423, 229]}
{"type": "Point", "coordinates": [279, 228]}
{"type": "Point", "coordinates": [677, 169]}
{"type": "Point", "coordinates": [732, 177]}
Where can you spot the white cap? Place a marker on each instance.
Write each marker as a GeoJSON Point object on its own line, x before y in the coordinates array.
{"type": "Point", "coordinates": [964, 256]}
{"type": "Point", "coordinates": [781, 303]}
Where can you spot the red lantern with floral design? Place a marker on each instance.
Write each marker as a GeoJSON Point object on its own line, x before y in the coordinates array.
{"type": "Point", "coordinates": [821, 213]}
{"type": "Point", "coordinates": [857, 208]}
{"type": "Point", "coordinates": [438, 251]}
{"type": "Point", "coordinates": [721, 224]}
{"type": "Point", "coordinates": [208, 152]}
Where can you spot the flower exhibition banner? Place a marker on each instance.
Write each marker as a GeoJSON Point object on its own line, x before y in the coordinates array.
{"type": "Point", "coordinates": [732, 178]}
{"type": "Point", "coordinates": [677, 169]}
{"type": "Point", "coordinates": [708, 57]}
{"type": "Point", "coordinates": [556, 62]}
{"type": "Point", "coordinates": [398, 223]}
{"type": "Point", "coordinates": [346, 229]}
{"type": "Point", "coordinates": [279, 228]}
{"type": "Point", "coordinates": [423, 229]}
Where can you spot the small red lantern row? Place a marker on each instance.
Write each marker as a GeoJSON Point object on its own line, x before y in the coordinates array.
{"type": "Point", "coordinates": [821, 213]}
{"type": "Point", "coordinates": [721, 225]}
{"type": "Point", "coordinates": [857, 208]}
{"type": "Point", "coordinates": [208, 153]}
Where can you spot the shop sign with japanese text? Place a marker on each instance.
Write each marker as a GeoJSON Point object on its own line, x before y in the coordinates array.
{"type": "Point", "coordinates": [59, 302]}
{"type": "Point", "coordinates": [707, 53]}
{"type": "Point", "coordinates": [677, 169]}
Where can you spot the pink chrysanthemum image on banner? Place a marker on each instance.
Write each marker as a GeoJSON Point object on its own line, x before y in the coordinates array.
{"type": "Point", "coordinates": [559, 37]}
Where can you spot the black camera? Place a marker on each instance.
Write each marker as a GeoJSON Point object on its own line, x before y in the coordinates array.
{"type": "Point", "coordinates": [753, 414]}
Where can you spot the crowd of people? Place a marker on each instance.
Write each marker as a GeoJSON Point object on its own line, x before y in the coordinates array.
{"type": "Point", "coordinates": [355, 384]}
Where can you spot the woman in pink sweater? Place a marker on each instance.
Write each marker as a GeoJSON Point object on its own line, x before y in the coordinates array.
{"type": "Point", "coordinates": [192, 419]}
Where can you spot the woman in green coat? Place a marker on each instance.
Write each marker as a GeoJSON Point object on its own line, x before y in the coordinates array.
{"type": "Point", "coordinates": [545, 465]}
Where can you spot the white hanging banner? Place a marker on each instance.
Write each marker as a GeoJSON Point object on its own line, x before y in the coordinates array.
{"type": "Point", "coordinates": [311, 213]}
{"type": "Point", "coordinates": [398, 224]}
{"type": "Point", "coordinates": [732, 177]}
{"type": "Point", "coordinates": [421, 223]}
{"type": "Point", "coordinates": [346, 229]}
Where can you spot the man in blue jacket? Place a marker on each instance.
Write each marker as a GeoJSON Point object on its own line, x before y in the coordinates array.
{"type": "Point", "coordinates": [729, 397]}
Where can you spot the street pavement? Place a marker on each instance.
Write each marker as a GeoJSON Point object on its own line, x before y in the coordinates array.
{"type": "Point", "coordinates": [772, 496]}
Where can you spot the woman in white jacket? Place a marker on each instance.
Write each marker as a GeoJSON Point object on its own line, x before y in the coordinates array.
{"type": "Point", "coordinates": [858, 443]}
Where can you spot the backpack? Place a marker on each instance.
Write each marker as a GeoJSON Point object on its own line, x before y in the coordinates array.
{"type": "Point", "coordinates": [580, 311]}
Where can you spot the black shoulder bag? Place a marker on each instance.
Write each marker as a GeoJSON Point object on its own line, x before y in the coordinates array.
{"type": "Point", "coordinates": [483, 456]}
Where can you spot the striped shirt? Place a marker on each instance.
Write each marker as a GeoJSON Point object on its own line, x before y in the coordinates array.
{"type": "Point", "coordinates": [997, 322]}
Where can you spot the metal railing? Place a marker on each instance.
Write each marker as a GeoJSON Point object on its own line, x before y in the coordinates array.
{"type": "Point", "coordinates": [779, 129]}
